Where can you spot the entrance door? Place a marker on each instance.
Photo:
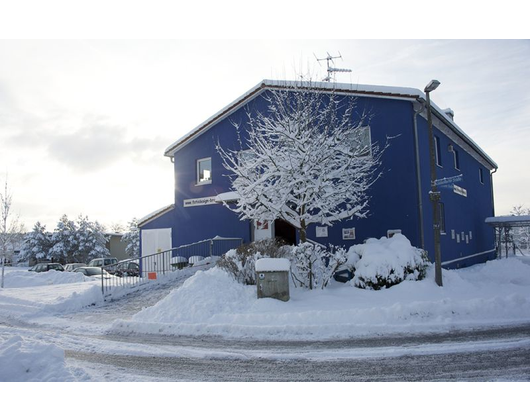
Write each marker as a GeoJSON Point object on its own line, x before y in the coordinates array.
{"type": "Point", "coordinates": [263, 230]}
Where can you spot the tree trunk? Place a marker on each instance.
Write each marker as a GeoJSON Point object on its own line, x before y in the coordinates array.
{"type": "Point", "coordinates": [302, 231]}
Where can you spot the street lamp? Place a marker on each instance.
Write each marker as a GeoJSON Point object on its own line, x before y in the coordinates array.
{"type": "Point", "coordinates": [434, 194]}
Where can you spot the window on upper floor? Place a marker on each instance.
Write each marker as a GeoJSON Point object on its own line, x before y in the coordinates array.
{"type": "Point", "coordinates": [457, 159]}
{"type": "Point", "coordinates": [437, 151]}
{"type": "Point", "coordinates": [204, 171]}
{"type": "Point", "coordinates": [481, 175]}
{"type": "Point", "coordinates": [361, 141]}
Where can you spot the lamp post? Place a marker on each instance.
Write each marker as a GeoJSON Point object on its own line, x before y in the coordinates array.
{"type": "Point", "coordinates": [434, 194]}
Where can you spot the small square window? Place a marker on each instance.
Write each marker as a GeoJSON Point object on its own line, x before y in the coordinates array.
{"type": "Point", "coordinates": [204, 171]}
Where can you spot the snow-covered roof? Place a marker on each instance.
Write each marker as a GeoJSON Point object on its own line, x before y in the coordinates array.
{"type": "Point", "coordinates": [155, 214]}
{"type": "Point", "coordinates": [403, 93]}
{"type": "Point", "coordinates": [227, 197]}
{"type": "Point", "coordinates": [509, 221]}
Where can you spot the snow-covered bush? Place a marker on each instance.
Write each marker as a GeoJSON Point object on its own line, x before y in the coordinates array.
{"type": "Point", "coordinates": [382, 263]}
{"type": "Point", "coordinates": [313, 266]}
{"type": "Point", "coordinates": [241, 262]}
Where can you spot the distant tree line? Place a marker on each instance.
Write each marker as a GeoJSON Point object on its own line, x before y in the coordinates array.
{"type": "Point", "coordinates": [77, 240]}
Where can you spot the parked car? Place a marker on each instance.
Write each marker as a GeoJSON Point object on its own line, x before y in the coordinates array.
{"type": "Point", "coordinates": [105, 262]}
{"type": "Point", "coordinates": [73, 266]}
{"type": "Point", "coordinates": [92, 271]}
{"type": "Point", "coordinates": [127, 268]}
{"type": "Point", "coordinates": [43, 267]}
{"type": "Point", "coordinates": [101, 262]}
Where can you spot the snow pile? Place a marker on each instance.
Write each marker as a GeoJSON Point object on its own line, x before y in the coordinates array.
{"type": "Point", "coordinates": [24, 278]}
{"type": "Point", "coordinates": [385, 262]}
{"type": "Point", "coordinates": [27, 360]}
{"type": "Point", "coordinates": [203, 296]}
{"type": "Point", "coordinates": [212, 302]}
{"type": "Point", "coordinates": [25, 302]}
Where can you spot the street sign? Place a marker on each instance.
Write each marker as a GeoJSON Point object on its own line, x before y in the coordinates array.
{"type": "Point", "coordinates": [448, 182]}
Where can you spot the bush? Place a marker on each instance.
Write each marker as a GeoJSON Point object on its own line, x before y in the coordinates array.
{"type": "Point", "coordinates": [313, 266]}
{"type": "Point", "coordinates": [383, 263]}
{"type": "Point", "coordinates": [241, 262]}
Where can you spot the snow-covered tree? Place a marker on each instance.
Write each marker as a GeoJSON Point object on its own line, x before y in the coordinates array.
{"type": "Point", "coordinates": [306, 160]}
{"type": "Point", "coordinates": [37, 244]}
{"type": "Point", "coordinates": [10, 230]}
{"type": "Point", "coordinates": [64, 241]}
{"type": "Point", "coordinates": [90, 239]}
{"type": "Point", "coordinates": [521, 235]}
{"type": "Point", "coordinates": [132, 239]}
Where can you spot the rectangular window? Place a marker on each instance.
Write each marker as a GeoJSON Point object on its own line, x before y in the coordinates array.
{"type": "Point", "coordinates": [481, 175]}
{"type": "Point", "coordinates": [442, 217]}
{"type": "Point", "coordinates": [457, 160]}
{"type": "Point", "coordinates": [437, 151]}
{"type": "Point", "coordinates": [204, 171]}
{"type": "Point", "coordinates": [361, 141]}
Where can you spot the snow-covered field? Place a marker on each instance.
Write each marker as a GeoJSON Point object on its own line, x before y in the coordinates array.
{"type": "Point", "coordinates": [210, 302]}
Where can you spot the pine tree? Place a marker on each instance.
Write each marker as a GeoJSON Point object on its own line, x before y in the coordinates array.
{"type": "Point", "coordinates": [37, 244]}
{"type": "Point", "coordinates": [132, 239]}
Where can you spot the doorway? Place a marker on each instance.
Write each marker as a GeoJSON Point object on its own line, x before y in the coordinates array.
{"type": "Point", "coordinates": [285, 231]}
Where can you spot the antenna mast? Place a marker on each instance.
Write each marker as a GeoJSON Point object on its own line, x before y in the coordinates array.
{"type": "Point", "coordinates": [331, 70]}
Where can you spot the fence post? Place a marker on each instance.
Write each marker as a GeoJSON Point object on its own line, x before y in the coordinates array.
{"type": "Point", "coordinates": [102, 286]}
{"type": "Point", "coordinates": [211, 247]}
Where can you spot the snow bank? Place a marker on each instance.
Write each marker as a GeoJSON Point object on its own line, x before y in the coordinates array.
{"type": "Point", "coordinates": [24, 278]}
{"type": "Point", "coordinates": [212, 302]}
{"type": "Point", "coordinates": [25, 302]}
{"type": "Point", "coordinates": [27, 360]}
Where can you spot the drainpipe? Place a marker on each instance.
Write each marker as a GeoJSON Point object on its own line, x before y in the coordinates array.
{"type": "Point", "coordinates": [418, 174]}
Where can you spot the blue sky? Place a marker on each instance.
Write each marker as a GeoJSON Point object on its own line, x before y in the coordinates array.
{"type": "Point", "coordinates": [84, 124]}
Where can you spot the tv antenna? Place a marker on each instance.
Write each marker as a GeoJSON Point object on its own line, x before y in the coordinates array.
{"type": "Point", "coordinates": [331, 70]}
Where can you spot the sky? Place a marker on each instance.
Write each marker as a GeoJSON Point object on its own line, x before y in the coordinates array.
{"type": "Point", "coordinates": [84, 123]}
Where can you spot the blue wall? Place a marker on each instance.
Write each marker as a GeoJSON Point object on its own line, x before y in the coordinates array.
{"type": "Point", "coordinates": [462, 214]}
{"type": "Point", "coordinates": [394, 197]}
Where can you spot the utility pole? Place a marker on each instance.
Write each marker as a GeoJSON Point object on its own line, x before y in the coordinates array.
{"type": "Point", "coordinates": [434, 194]}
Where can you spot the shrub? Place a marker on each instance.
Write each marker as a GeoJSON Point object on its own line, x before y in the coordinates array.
{"type": "Point", "coordinates": [382, 263]}
{"type": "Point", "coordinates": [313, 266]}
{"type": "Point", "coordinates": [241, 262]}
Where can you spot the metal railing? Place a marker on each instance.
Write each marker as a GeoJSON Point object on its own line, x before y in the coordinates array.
{"type": "Point", "coordinates": [134, 272]}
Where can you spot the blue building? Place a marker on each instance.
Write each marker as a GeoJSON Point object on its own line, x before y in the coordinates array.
{"type": "Point", "coordinates": [399, 199]}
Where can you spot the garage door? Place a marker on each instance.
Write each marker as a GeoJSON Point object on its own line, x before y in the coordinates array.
{"type": "Point", "coordinates": [155, 240]}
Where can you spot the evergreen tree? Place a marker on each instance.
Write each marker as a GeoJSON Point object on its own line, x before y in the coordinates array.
{"type": "Point", "coordinates": [37, 244]}
{"type": "Point", "coordinates": [132, 239]}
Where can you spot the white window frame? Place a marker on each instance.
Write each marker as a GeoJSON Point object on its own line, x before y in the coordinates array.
{"type": "Point", "coordinates": [364, 138]}
{"type": "Point", "coordinates": [457, 159]}
{"type": "Point", "coordinates": [198, 174]}
{"type": "Point", "coordinates": [438, 152]}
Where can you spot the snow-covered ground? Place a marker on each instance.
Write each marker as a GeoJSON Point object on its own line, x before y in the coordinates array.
{"type": "Point", "coordinates": [210, 302]}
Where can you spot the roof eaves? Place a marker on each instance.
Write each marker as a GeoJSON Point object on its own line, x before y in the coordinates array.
{"type": "Point", "coordinates": [154, 215]}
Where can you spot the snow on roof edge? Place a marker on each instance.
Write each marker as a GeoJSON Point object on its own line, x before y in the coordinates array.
{"type": "Point", "coordinates": [155, 214]}
{"type": "Point", "coordinates": [379, 90]}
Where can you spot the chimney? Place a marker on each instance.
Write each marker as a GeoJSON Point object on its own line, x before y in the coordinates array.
{"type": "Point", "coordinates": [450, 113]}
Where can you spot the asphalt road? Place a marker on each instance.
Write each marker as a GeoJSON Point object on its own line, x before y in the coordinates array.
{"type": "Point", "coordinates": [499, 354]}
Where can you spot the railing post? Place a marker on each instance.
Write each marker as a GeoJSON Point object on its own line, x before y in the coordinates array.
{"type": "Point", "coordinates": [102, 286]}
